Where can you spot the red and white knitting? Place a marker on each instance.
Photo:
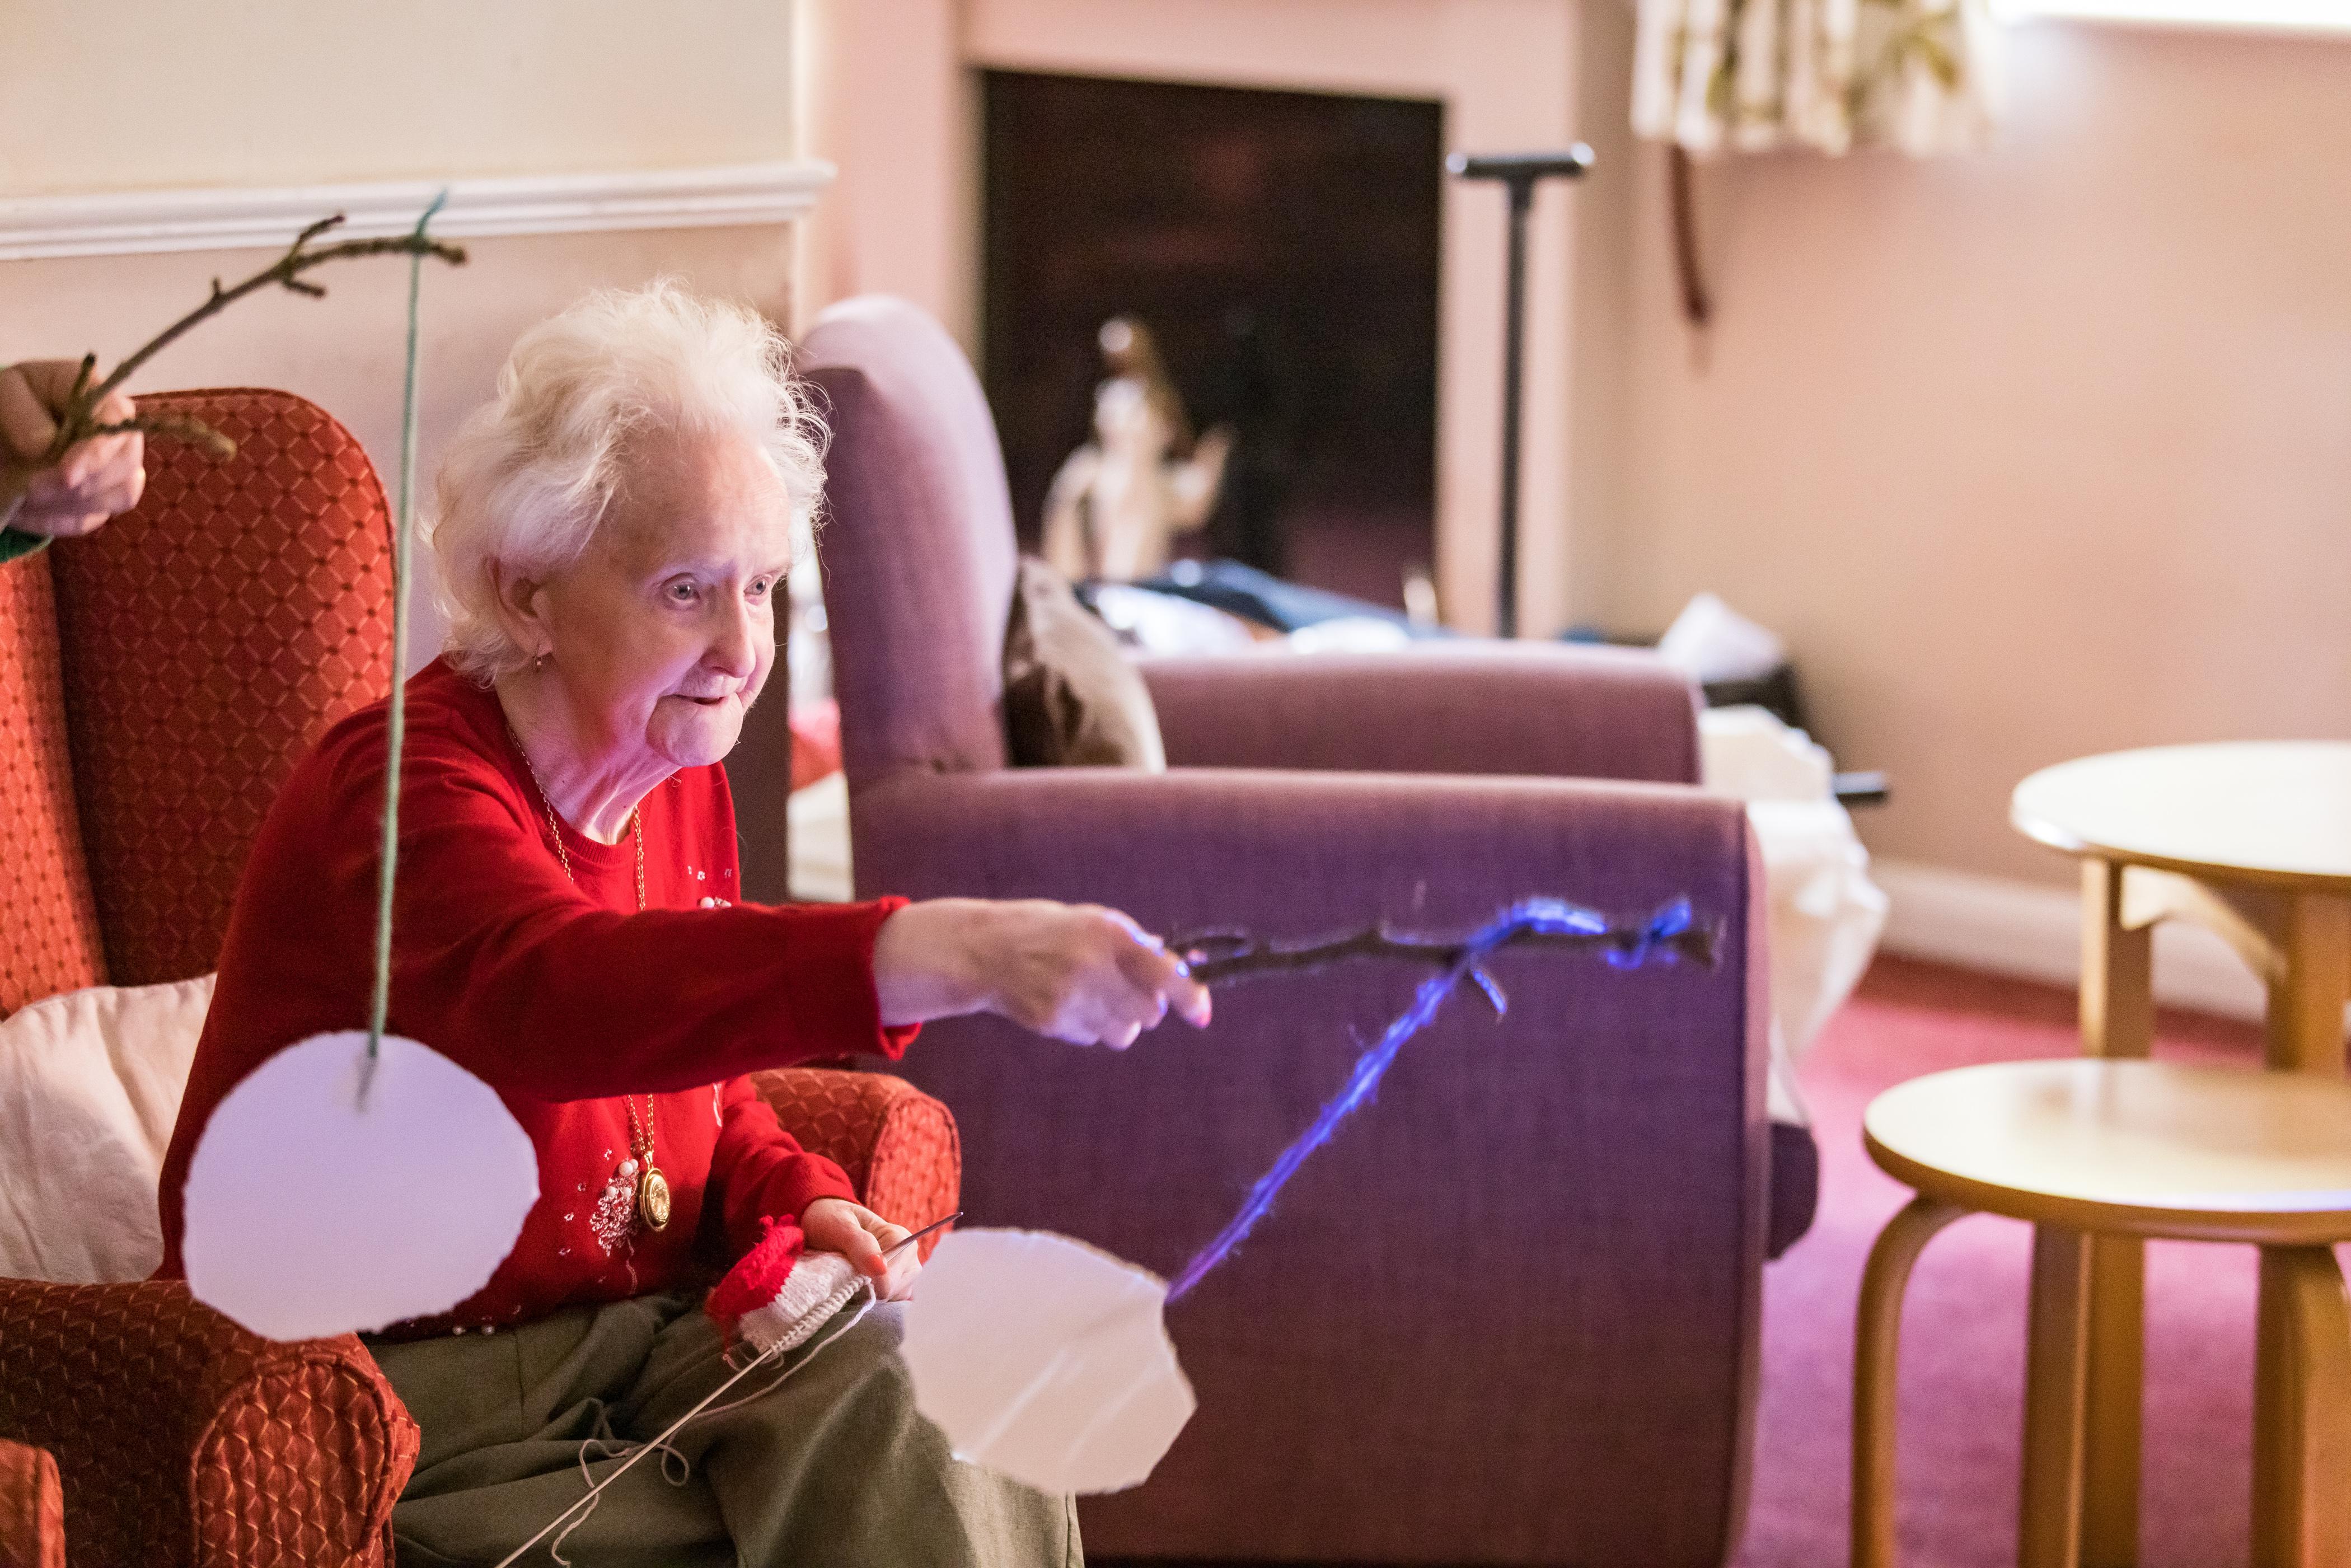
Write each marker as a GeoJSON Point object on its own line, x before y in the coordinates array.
{"type": "Point", "coordinates": [780, 1293]}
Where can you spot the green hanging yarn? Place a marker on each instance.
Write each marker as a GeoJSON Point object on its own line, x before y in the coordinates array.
{"type": "Point", "coordinates": [396, 726]}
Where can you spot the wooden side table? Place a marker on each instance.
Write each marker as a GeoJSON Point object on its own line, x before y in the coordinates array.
{"type": "Point", "coordinates": [2093, 1151]}
{"type": "Point", "coordinates": [2252, 840]}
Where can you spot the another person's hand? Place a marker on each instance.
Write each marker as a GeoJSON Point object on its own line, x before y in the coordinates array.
{"type": "Point", "coordinates": [861, 1236]}
{"type": "Point", "coordinates": [90, 482]}
{"type": "Point", "coordinates": [1077, 972]}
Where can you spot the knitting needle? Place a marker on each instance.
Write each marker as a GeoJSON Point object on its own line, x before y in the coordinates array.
{"type": "Point", "coordinates": [897, 1247]}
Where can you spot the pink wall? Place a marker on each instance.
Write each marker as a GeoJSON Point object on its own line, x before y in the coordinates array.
{"type": "Point", "coordinates": [2037, 453]}
{"type": "Point", "coordinates": [881, 94]}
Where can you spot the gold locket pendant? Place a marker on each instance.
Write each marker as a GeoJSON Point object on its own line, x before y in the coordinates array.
{"type": "Point", "coordinates": [653, 1197]}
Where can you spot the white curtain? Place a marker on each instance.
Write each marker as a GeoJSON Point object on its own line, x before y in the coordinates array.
{"type": "Point", "coordinates": [1830, 74]}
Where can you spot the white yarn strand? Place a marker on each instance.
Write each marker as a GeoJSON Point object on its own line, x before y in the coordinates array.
{"type": "Point", "coordinates": [587, 1505]}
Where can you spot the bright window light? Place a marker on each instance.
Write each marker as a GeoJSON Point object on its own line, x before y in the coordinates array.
{"type": "Point", "coordinates": [2276, 15]}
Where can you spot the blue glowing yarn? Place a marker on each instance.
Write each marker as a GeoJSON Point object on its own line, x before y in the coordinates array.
{"type": "Point", "coordinates": [1549, 915]}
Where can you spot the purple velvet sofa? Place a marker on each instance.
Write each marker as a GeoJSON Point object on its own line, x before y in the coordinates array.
{"type": "Point", "coordinates": [1510, 1314]}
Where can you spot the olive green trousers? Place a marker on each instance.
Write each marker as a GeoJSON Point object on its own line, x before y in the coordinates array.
{"type": "Point", "coordinates": [832, 1466]}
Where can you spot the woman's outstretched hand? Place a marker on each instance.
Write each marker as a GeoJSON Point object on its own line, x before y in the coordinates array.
{"type": "Point", "coordinates": [1077, 972]}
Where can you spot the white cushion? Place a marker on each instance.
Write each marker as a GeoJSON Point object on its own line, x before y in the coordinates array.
{"type": "Point", "coordinates": [89, 1087]}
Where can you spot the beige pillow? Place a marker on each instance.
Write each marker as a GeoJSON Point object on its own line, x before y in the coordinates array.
{"type": "Point", "coordinates": [90, 1088]}
{"type": "Point", "coordinates": [1071, 697]}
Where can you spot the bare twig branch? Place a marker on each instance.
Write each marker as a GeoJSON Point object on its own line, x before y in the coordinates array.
{"type": "Point", "coordinates": [1223, 958]}
{"type": "Point", "coordinates": [78, 420]}
{"type": "Point", "coordinates": [174, 427]}
{"type": "Point", "coordinates": [285, 273]}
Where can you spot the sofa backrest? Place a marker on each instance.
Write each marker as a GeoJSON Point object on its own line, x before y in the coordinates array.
{"type": "Point", "coordinates": [917, 544]}
{"type": "Point", "coordinates": [196, 646]}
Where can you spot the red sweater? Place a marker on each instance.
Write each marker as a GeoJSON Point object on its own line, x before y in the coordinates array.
{"type": "Point", "coordinates": [560, 996]}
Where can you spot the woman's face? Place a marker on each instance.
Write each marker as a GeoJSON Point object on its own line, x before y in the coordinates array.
{"type": "Point", "coordinates": [665, 632]}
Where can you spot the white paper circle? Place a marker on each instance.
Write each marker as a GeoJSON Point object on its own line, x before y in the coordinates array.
{"type": "Point", "coordinates": [1046, 1360]}
{"type": "Point", "coordinates": [309, 1215]}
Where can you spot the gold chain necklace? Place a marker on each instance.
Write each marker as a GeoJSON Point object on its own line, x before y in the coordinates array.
{"type": "Point", "coordinates": [653, 1187]}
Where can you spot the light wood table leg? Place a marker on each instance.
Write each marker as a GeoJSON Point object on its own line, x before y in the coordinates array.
{"type": "Point", "coordinates": [2302, 1381]}
{"type": "Point", "coordinates": [2117, 969]}
{"type": "Point", "coordinates": [1877, 1344]}
{"type": "Point", "coordinates": [2119, 1020]}
{"type": "Point", "coordinates": [2056, 1394]}
{"type": "Point", "coordinates": [2301, 1413]}
{"type": "Point", "coordinates": [2115, 1399]}
{"type": "Point", "coordinates": [2305, 1010]}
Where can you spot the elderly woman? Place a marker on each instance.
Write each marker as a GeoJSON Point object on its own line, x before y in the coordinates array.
{"type": "Point", "coordinates": [612, 534]}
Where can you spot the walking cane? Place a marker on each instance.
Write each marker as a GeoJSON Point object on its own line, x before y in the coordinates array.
{"type": "Point", "coordinates": [1520, 172]}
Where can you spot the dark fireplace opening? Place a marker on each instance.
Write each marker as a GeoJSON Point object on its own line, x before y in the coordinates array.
{"type": "Point", "coordinates": [1281, 247]}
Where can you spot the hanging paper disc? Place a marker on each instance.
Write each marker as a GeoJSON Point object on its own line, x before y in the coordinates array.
{"type": "Point", "coordinates": [309, 1213]}
{"type": "Point", "coordinates": [1045, 1360]}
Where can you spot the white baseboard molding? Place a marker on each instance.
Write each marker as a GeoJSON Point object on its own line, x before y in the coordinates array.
{"type": "Point", "coordinates": [148, 222]}
{"type": "Point", "coordinates": [2030, 930]}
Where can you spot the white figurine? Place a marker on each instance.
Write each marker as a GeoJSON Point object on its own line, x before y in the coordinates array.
{"type": "Point", "coordinates": [1119, 501]}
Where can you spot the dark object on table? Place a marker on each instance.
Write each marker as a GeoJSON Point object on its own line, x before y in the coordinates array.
{"type": "Point", "coordinates": [1519, 172]}
{"type": "Point", "coordinates": [1774, 693]}
{"type": "Point", "coordinates": [1861, 789]}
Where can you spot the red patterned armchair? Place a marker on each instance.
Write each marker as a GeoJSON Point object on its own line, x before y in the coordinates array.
{"type": "Point", "coordinates": [157, 681]}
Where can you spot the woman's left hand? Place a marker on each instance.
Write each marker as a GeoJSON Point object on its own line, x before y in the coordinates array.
{"type": "Point", "coordinates": [857, 1233]}
{"type": "Point", "coordinates": [90, 482]}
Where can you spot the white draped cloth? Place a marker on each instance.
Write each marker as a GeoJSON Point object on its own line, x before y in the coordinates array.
{"type": "Point", "coordinates": [1753, 75]}
{"type": "Point", "coordinates": [1825, 914]}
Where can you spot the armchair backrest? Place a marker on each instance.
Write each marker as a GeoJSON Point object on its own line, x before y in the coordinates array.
{"type": "Point", "coordinates": [160, 678]}
{"type": "Point", "coordinates": [48, 921]}
{"type": "Point", "coordinates": [917, 545]}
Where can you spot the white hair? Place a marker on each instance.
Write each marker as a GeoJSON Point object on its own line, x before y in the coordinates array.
{"type": "Point", "coordinates": [531, 474]}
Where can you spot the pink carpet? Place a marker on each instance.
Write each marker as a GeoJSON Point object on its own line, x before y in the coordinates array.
{"type": "Point", "coordinates": [1963, 1335]}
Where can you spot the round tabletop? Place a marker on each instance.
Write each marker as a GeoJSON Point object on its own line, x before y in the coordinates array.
{"type": "Point", "coordinates": [2127, 1146]}
{"type": "Point", "coordinates": [2273, 811]}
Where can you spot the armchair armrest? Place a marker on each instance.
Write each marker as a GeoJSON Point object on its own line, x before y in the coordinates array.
{"type": "Point", "coordinates": [1568, 1204]}
{"type": "Point", "coordinates": [161, 1411]}
{"type": "Point", "coordinates": [898, 1144]}
{"type": "Point", "coordinates": [1546, 710]}
{"type": "Point", "coordinates": [32, 1508]}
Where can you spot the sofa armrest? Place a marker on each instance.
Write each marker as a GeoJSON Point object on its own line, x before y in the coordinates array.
{"type": "Point", "coordinates": [32, 1508]}
{"type": "Point", "coordinates": [1537, 1253]}
{"type": "Point", "coordinates": [898, 1144]}
{"type": "Point", "coordinates": [1542, 709]}
{"type": "Point", "coordinates": [162, 1412]}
